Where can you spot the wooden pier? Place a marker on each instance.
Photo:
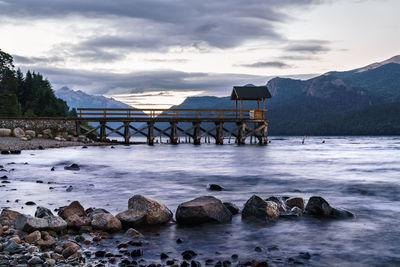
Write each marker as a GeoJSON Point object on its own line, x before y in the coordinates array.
{"type": "Point", "coordinates": [177, 125]}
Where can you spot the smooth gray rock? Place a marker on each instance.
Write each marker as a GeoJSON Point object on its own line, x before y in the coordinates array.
{"type": "Point", "coordinates": [258, 208]}
{"type": "Point", "coordinates": [132, 217]}
{"type": "Point", "coordinates": [201, 210]}
{"type": "Point", "coordinates": [12, 247]}
{"type": "Point", "coordinates": [318, 206]}
{"type": "Point", "coordinates": [155, 211]}
{"type": "Point", "coordinates": [29, 224]}
{"type": "Point", "coordinates": [18, 132]}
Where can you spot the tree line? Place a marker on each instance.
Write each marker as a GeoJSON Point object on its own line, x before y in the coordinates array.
{"type": "Point", "coordinates": [29, 95]}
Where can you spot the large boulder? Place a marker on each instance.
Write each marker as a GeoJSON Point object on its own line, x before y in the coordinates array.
{"type": "Point", "coordinates": [201, 210]}
{"type": "Point", "coordinates": [8, 217]}
{"type": "Point", "coordinates": [5, 132]}
{"type": "Point", "coordinates": [75, 208]}
{"type": "Point", "coordinates": [18, 132]}
{"type": "Point", "coordinates": [319, 207]}
{"type": "Point", "coordinates": [106, 222]}
{"type": "Point", "coordinates": [132, 217]}
{"type": "Point", "coordinates": [258, 208]}
{"type": "Point", "coordinates": [76, 221]}
{"type": "Point", "coordinates": [155, 212]}
{"type": "Point", "coordinates": [28, 223]}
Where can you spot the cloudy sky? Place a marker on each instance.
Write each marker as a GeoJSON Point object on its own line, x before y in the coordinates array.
{"type": "Point", "coordinates": [163, 47]}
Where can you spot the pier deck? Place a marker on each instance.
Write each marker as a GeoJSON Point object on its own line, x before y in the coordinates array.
{"type": "Point", "coordinates": [191, 124]}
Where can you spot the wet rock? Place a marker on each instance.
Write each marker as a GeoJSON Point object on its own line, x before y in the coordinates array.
{"type": "Point", "coordinates": [295, 202]}
{"type": "Point", "coordinates": [188, 254]}
{"type": "Point", "coordinates": [39, 182]}
{"type": "Point", "coordinates": [12, 247]}
{"type": "Point", "coordinates": [280, 201]}
{"type": "Point", "coordinates": [33, 237]}
{"type": "Point", "coordinates": [145, 210]}
{"type": "Point", "coordinates": [4, 177]}
{"type": "Point", "coordinates": [69, 251]}
{"type": "Point", "coordinates": [136, 253]}
{"type": "Point", "coordinates": [18, 132]}
{"type": "Point", "coordinates": [179, 241]}
{"type": "Point", "coordinates": [35, 261]}
{"type": "Point", "coordinates": [30, 203]}
{"type": "Point", "coordinates": [305, 255]}
{"type": "Point", "coordinates": [8, 217]}
{"type": "Point", "coordinates": [318, 206]}
{"type": "Point", "coordinates": [133, 233]}
{"type": "Point", "coordinates": [258, 208]}
{"type": "Point", "coordinates": [232, 208]}
{"type": "Point", "coordinates": [15, 152]}
{"type": "Point", "coordinates": [257, 249]}
{"type": "Point", "coordinates": [5, 152]}
{"type": "Point", "coordinates": [164, 256]}
{"type": "Point", "coordinates": [293, 212]}
{"type": "Point", "coordinates": [42, 212]}
{"type": "Point", "coordinates": [132, 217]}
{"type": "Point", "coordinates": [341, 214]}
{"type": "Point", "coordinates": [195, 264]}
{"type": "Point", "coordinates": [106, 222]}
{"type": "Point", "coordinates": [215, 187]}
{"type": "Point", "coordinates": [72, 167]}
{"type": "Point", "coordinates": [201, 210]}
{"type": "Point", "coordinates": [52, 169]}
{"type": "Point", "coordinates": [29, 224]}
{"type": "Point", "coordinates": [75, 208]}
{"type": "Point", "coordinates": [33, 249]}
{"type": "Point", "coordinates": [75, 221]}
{"type": "Point", "coordinates": [69, 188]}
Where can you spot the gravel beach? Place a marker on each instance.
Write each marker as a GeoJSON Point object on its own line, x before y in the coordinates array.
{"type": "Point", "coordinates": [14, 143]}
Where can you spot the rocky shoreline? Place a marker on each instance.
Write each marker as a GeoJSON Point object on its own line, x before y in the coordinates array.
{"type": "Point", "coordinates": [73, 236]}
{"type": "Point", "coordinates": [16, 139]}
{"type": "Point", "coordinates": [13, 143]}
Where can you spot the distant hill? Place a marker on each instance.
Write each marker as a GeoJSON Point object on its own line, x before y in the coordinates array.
{"type": "Point", "coordinates": [79, 99]}
{"type": "Point", "coordinates": [364, 101]}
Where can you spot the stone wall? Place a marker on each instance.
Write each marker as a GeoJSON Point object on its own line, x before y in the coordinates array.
{"type": "Point", "coordinates": [38, 125]}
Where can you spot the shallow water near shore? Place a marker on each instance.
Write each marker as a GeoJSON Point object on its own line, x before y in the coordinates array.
{"type": "Point", "coordinates": [361, 174]}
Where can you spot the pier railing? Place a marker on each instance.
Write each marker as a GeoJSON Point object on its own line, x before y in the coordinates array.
{"type": "Point", "coordinates": [195, 114]}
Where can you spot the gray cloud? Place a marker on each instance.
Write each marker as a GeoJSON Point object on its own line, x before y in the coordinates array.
{"type": "Point", "coordinates": [147, 81]}
{"type": "Point", "coordinates": [157, 24]}
{"type": "Point", "coordinates": [268, 64]}
{"type": "Point", "coordinates": [36, 60]}
{"type": "Point", "coordinates": [308, 46]}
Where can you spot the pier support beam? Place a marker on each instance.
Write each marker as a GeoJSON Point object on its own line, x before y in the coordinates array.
{"type": "Point", "coordinates": [196, 133]}
{"type": "Point", "coordinates": [126, 132]}
{"type": "Point", "coordinates": [103, 131]}
{"type": "Point", "coordinates": [219, 136]}
{"type": "Point", "coordinates": [173, 136]}
{"type": "Point", "coordinates": [78, 127]}
{"type": "Point", "coordinates": [150, 133]}
{"type": "Point", "coordinates": [240, 139]}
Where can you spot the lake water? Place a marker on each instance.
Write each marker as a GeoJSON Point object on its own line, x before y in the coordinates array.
{"type": "Point", "coordinates": [361, 174]}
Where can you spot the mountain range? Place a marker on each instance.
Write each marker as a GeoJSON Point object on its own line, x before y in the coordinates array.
{"type": "Point", "coordinates": [79, 99]}
{"type": "Point", "coordinates": [363, 101]}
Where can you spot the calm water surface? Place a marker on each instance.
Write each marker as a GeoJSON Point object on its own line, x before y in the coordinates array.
{"type": "Point", "coordinates": [361, 174]}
